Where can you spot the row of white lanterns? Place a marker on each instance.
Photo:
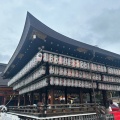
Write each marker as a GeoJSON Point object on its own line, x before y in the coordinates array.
{"type": "Point", "coordinates": [37, 74]}
{"type": "Point", "coordinates": [102, 86]}
{"type": "Point", "coordinates": [113, 71]}
{"type": "Point", "coordinates": [67, 61]}
{"type": "Point", "coordinates": [71, 62]}
{"type": "Point", "coordinates": [62, 60]}
{"type": "Point", "coordinates": [111, 78]}
{"type": "Point", "coordinates": [32, 63]}
{"type": "Point", "coordinates": [73, 73]}
{"type": "Point", "coordinates": [97, 67]}
{"type": "Point", "coordinates": [35, 86]}
{"type": "Point", "coordinates": [71, 82]}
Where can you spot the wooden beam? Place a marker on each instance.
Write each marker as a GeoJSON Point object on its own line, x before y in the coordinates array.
{"type": "Point", "coordinates": [5, 89]}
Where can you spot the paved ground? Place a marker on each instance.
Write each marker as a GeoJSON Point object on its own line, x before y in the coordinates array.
{"type": "Point", "coordinates": [5, 116]}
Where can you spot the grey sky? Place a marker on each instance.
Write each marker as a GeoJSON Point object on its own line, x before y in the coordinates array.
{"type": "Point", "coordinates": [96, 22]}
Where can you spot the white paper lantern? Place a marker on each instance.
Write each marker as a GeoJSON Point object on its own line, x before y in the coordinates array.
{"type": "Point", "coordinates": [65, 71]}
{"type": "Point", "coordinates": [99, 68]}
{"type": "Point", "coordinates": [99, 77]}
{"type": "Point", "coordinates": [72, 83]}
{"type": "Point", "coordinates": [80, 74]}
{"type": "Point", "coordinates": [86, 84]}
{"type": "Point", "coordinates": [95, 67]}
{"type": "Point", "coordinates": [80, 84]}
{"type": "Point", "coordinates": [76, 73]}
{"type": "Point", "coordinates": [56, 81]}
{"type": "Point", "coordinates": [34, 62]}
{"type": "Point", "coordinates": [51, 69]}
{"type": "Point", "coordinates": [60, 59]}
{"type": "Point", "coordinates": [118, 71]}
{"type": "Point", "coordinates": [55, 61]}
{"type": "Point", "coordinates": [73, 73]}
{"type": "Point", "coordinates": [50, 58]}
{"type": "Point", "coordinates": [91, 66]}
{"type": "Point", "coordinates": [45, 57]}
{"type": "Point", "coordinates": [81, 64]}
{"type": "Point", "coordinates": [76, 83]}
{"type": "Point", "coordinates": [56, 69]}
{"type": "Point", "coordinates": [85, 65]}
{"type": "Point", "coordinates": [43, 70]}
{"type": "Point", "coordinates": [73, 62]}
{"type": "Point", "coordinates": [60, 81]}
{"type": "Point", "coordinates": [61, 71]}
{"type": "Point", "coordinates": [89, 75]}
{"type": "Point", "coordinates": [104, 69]}
{"type": "Point", "coordinates": [69, 62]}
{"type": "Point", "coordinates": [93, 76]}
{"type": "Point", "coordinates": [69, 72]}
{"type": "Point", "coordinates": [109, 70]}
{"type": "Point", "coordinates": [39, 57]}
{"type": "Point", "coordinates": [77, 63]}
{"type": "Point", "coordinates": [65, 61]}
{"type": "Point", "coordinates": [68, 82]}
{"type": "Point", "coordinates": [84, 75]}
{"type": "Point", "coordinates": [64, 82]}
{"type": "Point", "coordinates": [52, 80]}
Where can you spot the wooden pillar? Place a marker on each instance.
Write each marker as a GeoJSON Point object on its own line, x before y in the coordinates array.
{"type": "Point", "coordinates": [119, 98]}
{"type": "Point", "coordinates": [4, 100]}
{"type": "Point", "coordinates": [90, 93]}
{"type": "Point", "coordinates": [104, 93]}
{"type": "Point", "coordinates": [51, 96]}
{"type": "Point", "coordinates": [18, 100]}
{"type": "Point", "coordinates": [65, 95]}
{"type": "Point", "coordinates": [31, 98]}
{"type": "Point", "coordinates": [40, 96]}
{"type": "Point", "coordinates": [25, 99]}
{"type": "Point", "coordinates": [81, 96]}
{"type": "Point", "coordinates": [46, 96]}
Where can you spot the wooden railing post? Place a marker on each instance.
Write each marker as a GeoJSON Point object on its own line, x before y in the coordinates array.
{"type": "Point", "coordinates": [31, 98]}
{"type": "Point", "coordinates": [18, 100]}
{"type": "Point", "coordinates": [90, 93]}
{"type": "Point", "coordinates": [81, 96]}
{"type": "Point", "coordinates": [104, 93]}
{"type": "Point", "coordinates": [65, 95]}
{"type": "Point", "coordinates": [51, 96]}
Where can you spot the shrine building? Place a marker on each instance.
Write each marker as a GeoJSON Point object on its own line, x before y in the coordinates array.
{"type": "Point", "coordinates": [51, 68]}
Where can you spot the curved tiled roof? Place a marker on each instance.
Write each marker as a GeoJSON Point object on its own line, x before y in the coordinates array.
{"type": "Point", "coordinates": [33, 23]}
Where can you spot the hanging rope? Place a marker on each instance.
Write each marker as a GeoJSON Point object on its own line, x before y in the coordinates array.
{"type": "Point", "coordinates": [10, 99]}
{"type": "Point", "coordinates": [3, 108]}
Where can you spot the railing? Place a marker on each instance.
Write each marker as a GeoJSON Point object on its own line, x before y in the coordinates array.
{"type": "Point", "coordinates": [55, 110]}
{"type": "Point", "coordinates": [88, 116]}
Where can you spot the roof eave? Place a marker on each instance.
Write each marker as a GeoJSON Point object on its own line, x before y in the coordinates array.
{"type": "Point", "coordinates": [22, 40]}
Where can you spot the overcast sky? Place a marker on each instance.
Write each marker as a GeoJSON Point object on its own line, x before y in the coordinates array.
{"type": "Point", "coordinates": [96, 22]}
